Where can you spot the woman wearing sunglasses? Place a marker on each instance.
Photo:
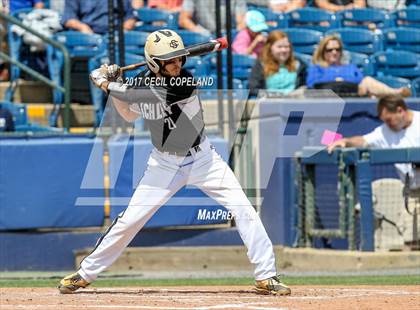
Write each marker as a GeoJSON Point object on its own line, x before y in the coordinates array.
{"type": "Point", "coordinates": [329, 72]}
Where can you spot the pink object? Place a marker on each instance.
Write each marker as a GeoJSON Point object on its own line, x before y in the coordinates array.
{"type": "Point", "coordinates": [330, 137]}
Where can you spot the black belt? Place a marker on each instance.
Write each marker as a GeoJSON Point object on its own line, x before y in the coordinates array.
{"type": "Point", "coordinates": [196, 149]}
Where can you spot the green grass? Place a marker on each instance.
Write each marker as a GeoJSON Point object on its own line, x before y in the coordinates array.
{"type": "Point", "coordinates": [324, 280]}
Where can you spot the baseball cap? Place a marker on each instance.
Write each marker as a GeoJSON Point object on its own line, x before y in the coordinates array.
{"type": "Point", "coordinates": [255, 20]}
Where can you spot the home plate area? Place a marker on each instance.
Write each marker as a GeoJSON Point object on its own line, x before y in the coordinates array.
{"type": "Point", "coordinates": [214, 297]}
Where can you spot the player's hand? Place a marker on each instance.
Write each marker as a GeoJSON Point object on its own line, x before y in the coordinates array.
{"type": "Point", "coordinates": [105, 74]}
{"type": "Point", "coordinates": [338, 143]}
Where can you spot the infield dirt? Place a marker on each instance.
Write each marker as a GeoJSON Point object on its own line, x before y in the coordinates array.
{"type": "Point", "coordinates": [214, 297]}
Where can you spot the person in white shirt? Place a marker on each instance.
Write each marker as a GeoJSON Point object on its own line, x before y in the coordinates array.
{"type": "Point", "coordinates": [401, 129]}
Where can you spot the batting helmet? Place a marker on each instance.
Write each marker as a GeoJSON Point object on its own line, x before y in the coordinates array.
{"type": "Point", "coordinates": [163, 45]}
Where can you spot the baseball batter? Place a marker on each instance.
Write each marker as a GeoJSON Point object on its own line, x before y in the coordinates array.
{"type": "Point", "coordinates": [182, 155]}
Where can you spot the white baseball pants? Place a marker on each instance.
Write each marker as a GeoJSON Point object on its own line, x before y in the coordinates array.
{"type": "Point", "coordinates": [164, 176]}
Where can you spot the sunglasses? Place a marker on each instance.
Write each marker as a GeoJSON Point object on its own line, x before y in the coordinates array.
{"type": "Point", "coordinates": [329, 50]}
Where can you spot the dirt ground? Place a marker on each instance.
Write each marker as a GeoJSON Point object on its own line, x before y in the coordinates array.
{"type": "Point", "coordinates": [213, 297]}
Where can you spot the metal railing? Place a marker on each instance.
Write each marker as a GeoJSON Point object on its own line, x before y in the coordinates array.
{"type": "Point", "coordinates": [64, 89]}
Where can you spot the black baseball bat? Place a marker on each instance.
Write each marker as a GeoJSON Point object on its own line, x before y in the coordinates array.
{"type": "Point", "coordinates": [194, 50]}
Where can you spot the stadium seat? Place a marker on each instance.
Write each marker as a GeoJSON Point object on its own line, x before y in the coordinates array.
{"type": "Point", "coordinates": [396, 63]}
{"type": "Point", "coordinates": [312, 18]}
{"type": "Point", "coordinates": [242, 65]}
{"type": "Point", "coordinates": [409, 17]}
{"type": "Point", "coordinates": [364, 18]}
{"type": "Point", "coordinates": [362, 61]}
{"type": "Point", "coordinates": [209, 91]}
{"type": "Point", "coordinates": [135, 41]}
{"type": "Point", "coordinates": [97, 95]}
{"type": "Point", "coordinates": [155, 19]}
{"type": "Point", "coordinates": [191, 38]}
{"type": "Point", "coordinates": [358, 40]}
{"type": "Point", "coordinates": [192, 64]}
{"type": "Point", "coordinates": [415, 87]}
{"type": "Point", "coordinates": [307, 59]}
{"type": "Point", "coordinates": [274, 20]}
{"type": "Point", "coordinates": [304, 41]}
{"type": "Point", "coordinates": [18, 111]}
{"type": "Point", "coordinates": [78, 45]}
{"type": "Point", "coordinates": [395, 82]}
{"type": "Point", "coordinates": [405, 39]}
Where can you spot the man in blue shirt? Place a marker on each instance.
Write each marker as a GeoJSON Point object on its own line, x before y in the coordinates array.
{"type": "Point", "coordinates": [91, 16]}
{"type": "Point", "coordinates": [6, 120]}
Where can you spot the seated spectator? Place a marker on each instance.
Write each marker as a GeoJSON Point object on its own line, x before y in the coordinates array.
{"type": "Point", "coordinates": [284, 6]}
{"type": "Point", "coordinates": [328, 72]}
{"type": "Point", "coordinates": [339, 5]}
{"type": "Point", "coordinates": [200, 15]}
{"type": "Point", "coordinates": [25, 4]}
{"type": "Point", "coordinates": [6, 120]}
{"type": "Point", "coordinates": [137, 4]}
{"type": "Point", "coordinates": [389, 5]}
{"type": "Point", "coordinates": [250, 40]}
{"type": "Point", "coordinates": [277, 68]}
{"type": "Point", "coordinates": [92, 16]}
{"type": "Point", "coordinates": [167, 5]}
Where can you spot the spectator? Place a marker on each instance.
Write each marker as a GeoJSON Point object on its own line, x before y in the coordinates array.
{"type": "Point", "coordinates": [250, 40]}
{"type": "Point", "coordinates": [137, 4]}
{"type": "Point", "coordinates": [25, 4]}
{"type": "Point", "coordinates": [277, 67]}
{"type": "Point", "coordinates": [200, 15]}
{"type": "Point", "coordinates": [6, 120]}
{"type": "Point", "coordinates": [389, 5]}
{"type": "Point", "coordinates": [284, 6]}
{"type": "Point", "coordinates": [167, 5]}
{"type": "Point", "coordinates": [339, 5]}
{"type": "Point", "coordinates": [401, 129]}
{"type": "Point", "coordinates": [328, 72]}
{"type": "Point", "coordinates": [92, 16]}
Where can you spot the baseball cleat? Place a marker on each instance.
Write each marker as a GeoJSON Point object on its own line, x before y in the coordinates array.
{"type": "Point", "coordinates": [72, 283]}
{"type": "Point", "coordinates": [272, 286]}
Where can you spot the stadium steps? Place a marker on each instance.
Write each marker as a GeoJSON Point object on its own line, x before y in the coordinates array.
{"type": "Point", "coordinates": [38, 97]}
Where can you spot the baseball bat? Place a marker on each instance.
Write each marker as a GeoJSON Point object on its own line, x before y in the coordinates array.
{"type": "Point", "coordinates": [194, 50]}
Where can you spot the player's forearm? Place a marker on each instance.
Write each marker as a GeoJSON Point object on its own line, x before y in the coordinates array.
{"type": "Point", "coordinates": [356, 141]}
{"type": "Point", "coordinates": [123, 110]}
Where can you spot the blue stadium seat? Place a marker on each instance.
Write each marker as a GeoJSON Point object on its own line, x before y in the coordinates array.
{"type": "Point", "coordinates": [396, 63]}
{"type": "Point", "coordinates": [135, 41]}
{"type": "Point", "coordinates": [362, 61]}
{"type": "Point", "coordinates": [304, 41]}
{"type": "Point", "coordinates": [274, 20]}
{"type": "Point", "coordinates": [191, 38]}
{"type": "Point", "coordinates": [415, 87]}
{"type": "Point", "coordinates": [307, 59]}
{"type": "Point", "coordinates": [97, 95]}
{"type": "Point", "coordinates": [242, 65]}
{"type": "Point", "coordinates": [405, 39]}
{"type": "Point", "coordinates": [395, 82]}
{"type": "Point", "coordinates": [409, 17]}
{"type": "Point", "coordinates": [18, 111]}
{"type": "Point", "coordinates": [362, 18]}
{"type": "Point", "coordinates": [358, 40]}
{"type": "Point", "coordinates": [209, 91]}
{"type": "Point", "coordinates": [312, 18]}
{"type": "Point", "coordinates": [192, 64]}
{"type": "Point", "coordinates": [155, 19]}
{"type": "Point", "coordinates": [78, 45]}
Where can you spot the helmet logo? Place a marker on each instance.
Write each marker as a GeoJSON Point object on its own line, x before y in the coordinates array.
{"type": "Point", "coordinates": [157, 39]}
{"type": "Point", "coordinates": [166, 33]}
{"type": "Point", "coordinates": [174, 44]}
